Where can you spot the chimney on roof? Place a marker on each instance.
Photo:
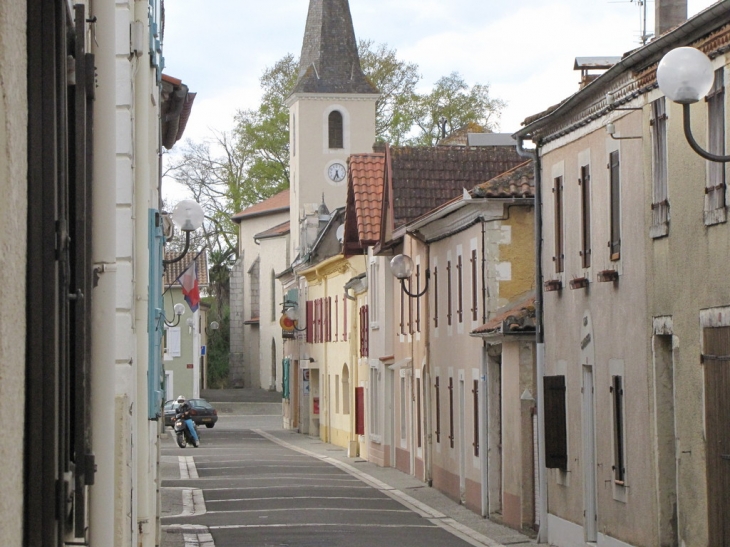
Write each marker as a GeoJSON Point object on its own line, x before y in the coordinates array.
{"type": "Point", "coordinates": [669, 14]}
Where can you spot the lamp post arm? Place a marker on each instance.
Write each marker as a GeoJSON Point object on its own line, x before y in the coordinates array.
{"type": "Point", "coordinates": [403, 286]}
{"type": "Point", "coordinates": [693, 143]}
{"type": "Point", "coordinates": [185, 250]}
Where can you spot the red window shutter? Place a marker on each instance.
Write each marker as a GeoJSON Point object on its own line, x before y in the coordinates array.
{"type": "Point", "coordinates": [435, 296]}
{"type": "Point", "coordinates": [310, 321]}
{"type": "Point", "coordinates": [474, 285]}
{"type": "Point", "coordinates": [337, 318]}
{"type": "Point", "coordinates": [328, 318]}
{"type": "Point", "coordinates": [360, 411]}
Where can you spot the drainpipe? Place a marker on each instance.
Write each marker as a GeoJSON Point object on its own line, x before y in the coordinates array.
{"type": "Point", "coordinates": [484, 374]}
{"type": "Point", "coordinates": [103, 294]}
{"type": "Point", "coordinates": [542, 535]}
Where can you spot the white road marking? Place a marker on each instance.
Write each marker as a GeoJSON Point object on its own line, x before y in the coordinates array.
{"type": "Point", "coordinates": [196, 536]}
{"type": "Point", "coordinates": [437, 518]}
{"type": "Point", "coordinates": [323, 509]}
{"type": "Point", "coordinates": [304, 525]}
{"type": "Point", "coordinates": [288, 498]}
{"type": "Point", "coordinates": [193, 503]}
{"type": "Point", "coordinates": [187, 467]}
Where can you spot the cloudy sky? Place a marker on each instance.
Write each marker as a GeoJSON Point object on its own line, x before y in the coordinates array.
{"type": "Point", "coordinates": [524, 49]}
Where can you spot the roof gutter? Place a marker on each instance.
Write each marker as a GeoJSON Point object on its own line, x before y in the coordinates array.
{"type": "Point", "coordinates": [713, 17]}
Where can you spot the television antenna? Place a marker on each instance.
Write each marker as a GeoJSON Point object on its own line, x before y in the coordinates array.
{"type": "Point", "coordinates": [642, 5]}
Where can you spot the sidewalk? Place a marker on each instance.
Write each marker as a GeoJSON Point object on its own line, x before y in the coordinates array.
{"type": "Point", "coordinates": [408, 489]}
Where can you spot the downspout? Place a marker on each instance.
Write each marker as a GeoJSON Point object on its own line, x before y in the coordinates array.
{"type": "Point", "coordinates": [483, 403]}
{"type": "Point", "coordinates": [542, 536]}
{"type": "Point", "coordinates": [103, 295]}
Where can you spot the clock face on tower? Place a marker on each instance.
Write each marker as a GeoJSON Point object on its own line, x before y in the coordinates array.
{"type": "Point", "coordinates": [336, 172]}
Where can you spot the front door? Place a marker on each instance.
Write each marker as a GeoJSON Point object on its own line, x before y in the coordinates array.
{"type": "Point", "coordinates": [716, 358]}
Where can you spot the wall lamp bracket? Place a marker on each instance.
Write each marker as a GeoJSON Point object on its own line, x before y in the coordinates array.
{"type": "Point", "coordinates": [178, 309]}
{"type": "Point", "coordinates": [685, 75]}
{"type": "Point", "coordinates": [188, 216]}
{"type": "Point", "coordinates": [402, 267]}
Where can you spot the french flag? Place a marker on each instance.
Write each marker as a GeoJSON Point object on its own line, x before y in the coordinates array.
{"type": "Point", "coordinates": [189, 282]}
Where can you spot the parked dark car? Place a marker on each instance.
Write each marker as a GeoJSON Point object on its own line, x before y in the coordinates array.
{"type": "Point", "coordinates": [202, 412]}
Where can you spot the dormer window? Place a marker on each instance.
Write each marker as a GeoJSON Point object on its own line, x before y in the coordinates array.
{"type": "Point", "coordinates": [335, 130]}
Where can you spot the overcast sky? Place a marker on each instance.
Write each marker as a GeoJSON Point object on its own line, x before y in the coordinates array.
{"type": "Point", "coordinates": [524, 49]}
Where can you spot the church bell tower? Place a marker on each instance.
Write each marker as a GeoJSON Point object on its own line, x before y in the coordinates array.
{"type": "Point", "coordinates": [331, 114]}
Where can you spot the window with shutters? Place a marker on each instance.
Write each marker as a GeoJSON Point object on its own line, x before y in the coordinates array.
{"type": "Point", "coordinates": [335, 130]}
{"type": "Point", "coordinates": [448, 292]}
{"type": "Point", "coordinates": [715, 186]}
{"type": "Point", "coordinates": [419, 431]}
{"type": "Point", "coordinates": [559, 256]}
{"type": "Point", "coordinates": [402, 312]}
{"type": "Point", "coordinates": [337, 318]}
{"type": "Point", "coordinates": [614, 167]}
{"type": "Point", "coordinates": [344, 318]}
{"type": "Point", "coordinates": [310, 322]}
{"type": "Point", "coordinates": [585, 224]}
{"type": "Point", "coordinates": [660, 191]}
{"type": "Point", "coordinates": [475, 399]}
{"type": "Point", "coordinates": [619, 440]}
{"type": "Point", "coordinates": [451, 412]}
{"type": "Point", "coordinates": [435, 296]}
{"type": "Point", "coordinates": [364, 331]}
{"type": "Point", "coordinates": [437, 389]}
{"type": "Point", "coordinates": [328, 318]}
{"type": "Point", "coordinates": [556, 432]}
{"type": "Point", "coordinates": [474, 286]}
{"type": "Point", "coordinates": [460, 288]}
{"type": "Point", "coordinates": [418, 300]}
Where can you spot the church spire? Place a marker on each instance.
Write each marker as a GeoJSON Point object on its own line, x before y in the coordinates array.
{"type": "Point", "coordinates": [329, 62]}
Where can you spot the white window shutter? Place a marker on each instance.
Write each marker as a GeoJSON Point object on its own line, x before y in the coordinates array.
{"type": "Point", "coordinates": [173, 341]}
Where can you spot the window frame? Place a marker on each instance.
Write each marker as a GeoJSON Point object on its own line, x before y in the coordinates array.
{"type": "Point", "coordinates": [716, 181]}
{"type": "Point", "coordinates": [336, 130]}
{"type": "Point", "coordinates": [614, 168]}
{"type": "Point", "coordinates": [559, 226]}
{"type": "Point", "coordinates": [585, 199]}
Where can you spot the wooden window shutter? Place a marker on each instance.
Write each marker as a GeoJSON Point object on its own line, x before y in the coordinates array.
{"type": "Point", "coordinates": [585, 194]}
{"type": "Point", "coordinates": [344, 319]}
{"type": "Point", "coordinates": [615, 169]}
{"type": "Point", "coordinates": [619, 451]}
{"type": "Point", "coordinates": [418, 300]}
{"type": "Point", "coordinates": [474, 286]}
{"type": "Point", "coordinates": [556, 436]}
{"type": "Point", "coordinates": [448, 291]}
{"type": "Point", "coordinates": [475, 398]}
{"type": "Point", "coordinates": [419, 432]}
{"type": "Point", "coordinates": [435, 296]}
{"type": "Point", "coordinates": [437, 387]}
{"type": "Point", "coordinates": [310, 322]}
{"type": "Point", "coordinates": [451, 412]}
{"type": "Point", "coordinates": [359, 411]}
{"type": "Point", "coordinates": [660, 193]}
{"type": "Point", "coordinates": [559, 236]}
{"type": "Point", "coordinates": [328, 314]}
{"type": "Point", "coordinates": [460, 284]}
{"type": "Point", "coordinates": [715, 185]}
{"type": "Point", "coordinates": [337, 318]}
{"type": "Point", "coordinates": [402, 312]}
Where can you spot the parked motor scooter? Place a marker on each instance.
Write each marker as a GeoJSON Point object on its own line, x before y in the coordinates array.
{"type": "Point", "coordinates": [184, 437]}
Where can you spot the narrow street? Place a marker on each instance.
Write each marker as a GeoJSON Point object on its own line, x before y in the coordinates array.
{"type": "Point", "coordinates": [253, 484]}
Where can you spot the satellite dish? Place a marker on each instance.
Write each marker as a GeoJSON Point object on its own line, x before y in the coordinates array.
{"type": "Point", "coordinates": [340, 233]}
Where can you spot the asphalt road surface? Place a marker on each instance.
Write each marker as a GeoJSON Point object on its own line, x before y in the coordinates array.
{"type": "Point", "coordinates": [248, 486]}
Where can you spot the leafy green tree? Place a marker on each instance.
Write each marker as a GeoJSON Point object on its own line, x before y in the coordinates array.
{"type": "Point", "coordinates": [454, 103]}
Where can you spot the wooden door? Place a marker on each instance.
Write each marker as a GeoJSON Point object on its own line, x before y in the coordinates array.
{"type": "Point", "coordinates": [716, 359]}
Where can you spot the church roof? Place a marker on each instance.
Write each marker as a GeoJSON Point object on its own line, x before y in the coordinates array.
{"type": "Point", "coordinates": [329, 62]}
{"type": "Point", "coordinates": [278, 203]}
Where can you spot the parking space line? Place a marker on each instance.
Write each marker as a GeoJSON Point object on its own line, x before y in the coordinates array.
{"type": "Point", "coordinates": [435, 517]}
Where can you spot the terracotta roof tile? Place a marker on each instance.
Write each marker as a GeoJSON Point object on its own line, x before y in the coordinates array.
{"type": "Point", "coordinates": [516, 317]}
{"type": "Point", "coordinates": [426, 177]}
{"type": "Point", "coordinates": [518, 182]}
{"type": "Point", "coordinates": [366, 172]}
{"type": "Point", "coordinates": [275, 204]}
{"type": "Point", "coordinates": [175, 270]}
{"type": "Point", "coordinates": [276, 231]}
